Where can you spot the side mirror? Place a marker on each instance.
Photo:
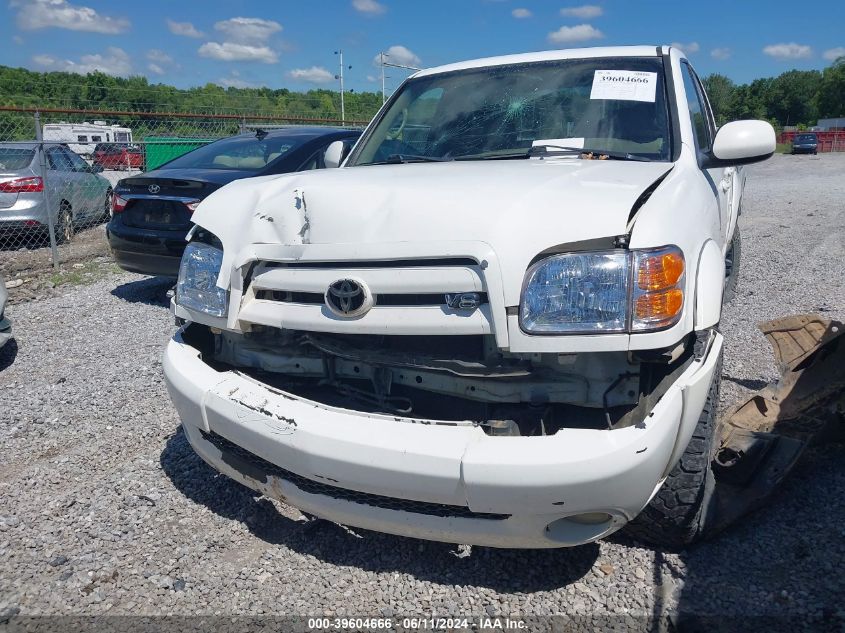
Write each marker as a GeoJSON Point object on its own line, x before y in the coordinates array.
{"type": "Point", "coordinates": [334, 154]}
{"type": "Point", "coordinates": [742, 142]}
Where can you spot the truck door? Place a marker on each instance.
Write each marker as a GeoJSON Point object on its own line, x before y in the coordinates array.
{"type": "Point", "coordinates": [704, 130]}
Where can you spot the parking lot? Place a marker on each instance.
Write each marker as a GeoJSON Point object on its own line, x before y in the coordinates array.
{"type": "Point", "coordinates": [105, 508]}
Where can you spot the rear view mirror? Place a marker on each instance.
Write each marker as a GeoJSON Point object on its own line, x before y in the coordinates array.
{"type": "Point", "coordinates": [742, 142]}
{"type": "Point", "coordinates": [334, 154]}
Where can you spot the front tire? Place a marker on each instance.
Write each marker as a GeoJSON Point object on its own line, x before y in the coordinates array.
{"type": "Point", "coordinates": [673, 518]}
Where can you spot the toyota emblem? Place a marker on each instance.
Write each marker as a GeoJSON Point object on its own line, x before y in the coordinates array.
{"type": "Point", "coordinates": [348, 298]}
{"type": "Point", "coordinates": [153, 188]}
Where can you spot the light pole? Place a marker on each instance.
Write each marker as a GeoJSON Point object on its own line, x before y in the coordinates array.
{"type": "Point", "coordinates": [382, 55]}
{"type": "Point", "coordinates": [339, 53]}
{"type": "Point", "coordinates": [385, 64]}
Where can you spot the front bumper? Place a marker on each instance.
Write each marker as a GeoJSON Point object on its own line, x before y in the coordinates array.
{"type": "Point", "coordinates": [444, 482]}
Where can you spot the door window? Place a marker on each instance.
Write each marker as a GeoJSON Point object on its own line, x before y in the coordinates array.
{"type": "Point", "coordinates": [57, 159]}
{"type": "Point", "coordinates": [698, 109]}
{"type": "Point", "coordinates": [76, 161]}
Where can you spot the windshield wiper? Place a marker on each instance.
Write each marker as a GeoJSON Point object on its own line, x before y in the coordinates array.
{"type": "Point", "coordinates": [552, 150]}
{"type": "Point", "coordinates": [395, 159]}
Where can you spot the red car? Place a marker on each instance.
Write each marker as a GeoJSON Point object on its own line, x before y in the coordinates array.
{"type": "Point", "coordinates": [118, 156]}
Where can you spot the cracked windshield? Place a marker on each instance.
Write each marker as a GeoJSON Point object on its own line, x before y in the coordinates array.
{"type": "Point", "coordinates": [614, 107]}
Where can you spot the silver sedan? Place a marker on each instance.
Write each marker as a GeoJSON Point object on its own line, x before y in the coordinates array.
{"type": "Point", "coordinates": [75, 194]}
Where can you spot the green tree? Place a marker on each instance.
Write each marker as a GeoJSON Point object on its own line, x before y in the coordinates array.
{"type": "Point", "coordinates": [830, 97]}
{"type": "Point", "coordinates": [720, 91]}
{"type": "Point", "coordinates": [790, 97]}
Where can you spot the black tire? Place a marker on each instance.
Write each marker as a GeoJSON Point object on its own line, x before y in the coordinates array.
{"type": "Point", "coordinates": [732, 261]}
{"type": "Point", "coordinates": [64, 225]}
{"type": "Point", "coordinates": [673, 518]}
{"type": "Point", "coordinates": [107, 205]}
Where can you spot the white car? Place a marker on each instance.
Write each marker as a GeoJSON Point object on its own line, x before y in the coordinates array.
{"type": "Point", "coordinates": [496, 323]}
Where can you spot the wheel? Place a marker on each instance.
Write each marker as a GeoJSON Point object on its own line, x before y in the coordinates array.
{"type": "Point", "coordinates": [673, 518]}
{"type": "Point", "coordinates": [732, 259]}
{"type": "Point", "coordinates": [64, 225]}
{"type": "Point", "coordinates": [107, 205]}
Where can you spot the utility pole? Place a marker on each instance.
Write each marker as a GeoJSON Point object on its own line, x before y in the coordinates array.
{"type": "Point", "coordinates": [386, 64]}
{"type": "Point", "coordinates": [340, 76]}
{"type": "Point", "coordinates": [382, 55]}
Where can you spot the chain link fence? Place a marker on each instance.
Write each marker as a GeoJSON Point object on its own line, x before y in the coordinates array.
{"type": "Point", "coordinates": [58, 168]}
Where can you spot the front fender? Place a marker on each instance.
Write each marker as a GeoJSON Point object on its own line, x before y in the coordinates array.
{"type": "Point", "coordinates": [709, 285]}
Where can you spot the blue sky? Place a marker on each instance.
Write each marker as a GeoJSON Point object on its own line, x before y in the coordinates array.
{"type": "Point", "coordinates": [291, 44]}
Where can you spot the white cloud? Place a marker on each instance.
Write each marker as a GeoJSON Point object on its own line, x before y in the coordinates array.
{"type": "Point", "coordinates": [235, 82]}
{"type": "Point", "coordinates": [370, 7]}
{"type": "Point", "coordinates": [183, 28]}
{"type": "Point", "coordinates": [245, 41]}
{"type": "Point", "coordinates": [42, 14]}
{"type": "Point", "coordinates": [373, 78]}
{"type": "Point", "coordinates": [314, 75]}
{"type": "Point", "coordinates": [788, 51]}
{"type": "Point", "coordinates": [159, 56]}
{"type": "Point", "coordinates": [689, 48]}
{"type": "Point", "coordinates": [115, 61]}
{"type": "Point", "coordinates": [833, 54]}
{"type": "Point", "coordinates": [570, 34]}
{"type": "Point", "coordinates": [159, 61]}
{"type": "Point", "coordinates": [399, 55]}
{"type": "Point", "coordinates": [247, 30]}
{"type": "Point", "coordinates": [232, 52]}
{"type": "Point", "coordinates": [721, 53]}
{"type": "Point", "coordinates": [584, 12]}
{"type": "Point", "coordinates": [521, 13]}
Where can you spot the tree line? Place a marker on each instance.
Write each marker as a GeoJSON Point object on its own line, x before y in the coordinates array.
{"type": "Point", "coordinates": [796, 97]}
{"type": "Point", "coordinates": [98, 91]}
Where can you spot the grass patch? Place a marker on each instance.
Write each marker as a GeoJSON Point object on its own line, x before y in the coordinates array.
{"type": "Point", "coordinates": [784, 148]}
{"type": "Point", "coordinates": [78, 274]}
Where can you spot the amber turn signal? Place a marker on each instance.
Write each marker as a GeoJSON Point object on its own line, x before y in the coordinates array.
{"type": "Point", "coordinates": [659, 306]}
{"type": "Point", "coordinates": [660, 270]}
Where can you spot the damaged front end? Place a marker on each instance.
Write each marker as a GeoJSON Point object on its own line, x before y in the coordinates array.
{"type": "Point", "coordinates": [464, 379]}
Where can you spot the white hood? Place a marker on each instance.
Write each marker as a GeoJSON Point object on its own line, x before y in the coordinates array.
{"type": "Point", "coordinates": [518, 208]}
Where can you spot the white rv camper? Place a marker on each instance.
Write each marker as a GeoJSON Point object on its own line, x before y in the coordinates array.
{"type": "Point", "coordinates": [83, 137]}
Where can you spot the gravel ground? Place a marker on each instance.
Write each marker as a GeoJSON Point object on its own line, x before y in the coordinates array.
{"type": "Point", "coordinates": [105, 508]}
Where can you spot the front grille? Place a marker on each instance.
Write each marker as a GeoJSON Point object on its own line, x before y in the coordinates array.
{"type": "Point", "coordinates": [381, 299]}
{"type": "Point", "coordinates": [156, 213]}
{"type": "Point", "coordinates": [254, 466]}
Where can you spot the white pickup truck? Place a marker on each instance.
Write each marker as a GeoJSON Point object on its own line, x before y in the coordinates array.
{"type": "Point", "coordinates": [495, 323]}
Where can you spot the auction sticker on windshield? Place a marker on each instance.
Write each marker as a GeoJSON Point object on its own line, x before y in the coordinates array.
{"type": "Point", "coordinates": [624, 85]}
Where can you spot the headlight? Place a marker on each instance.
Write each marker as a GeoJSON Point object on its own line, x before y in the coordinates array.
{"type": "Point", "coordinates": [604, 291]}
{"type": "Point", "coordinates": [197, 286]}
